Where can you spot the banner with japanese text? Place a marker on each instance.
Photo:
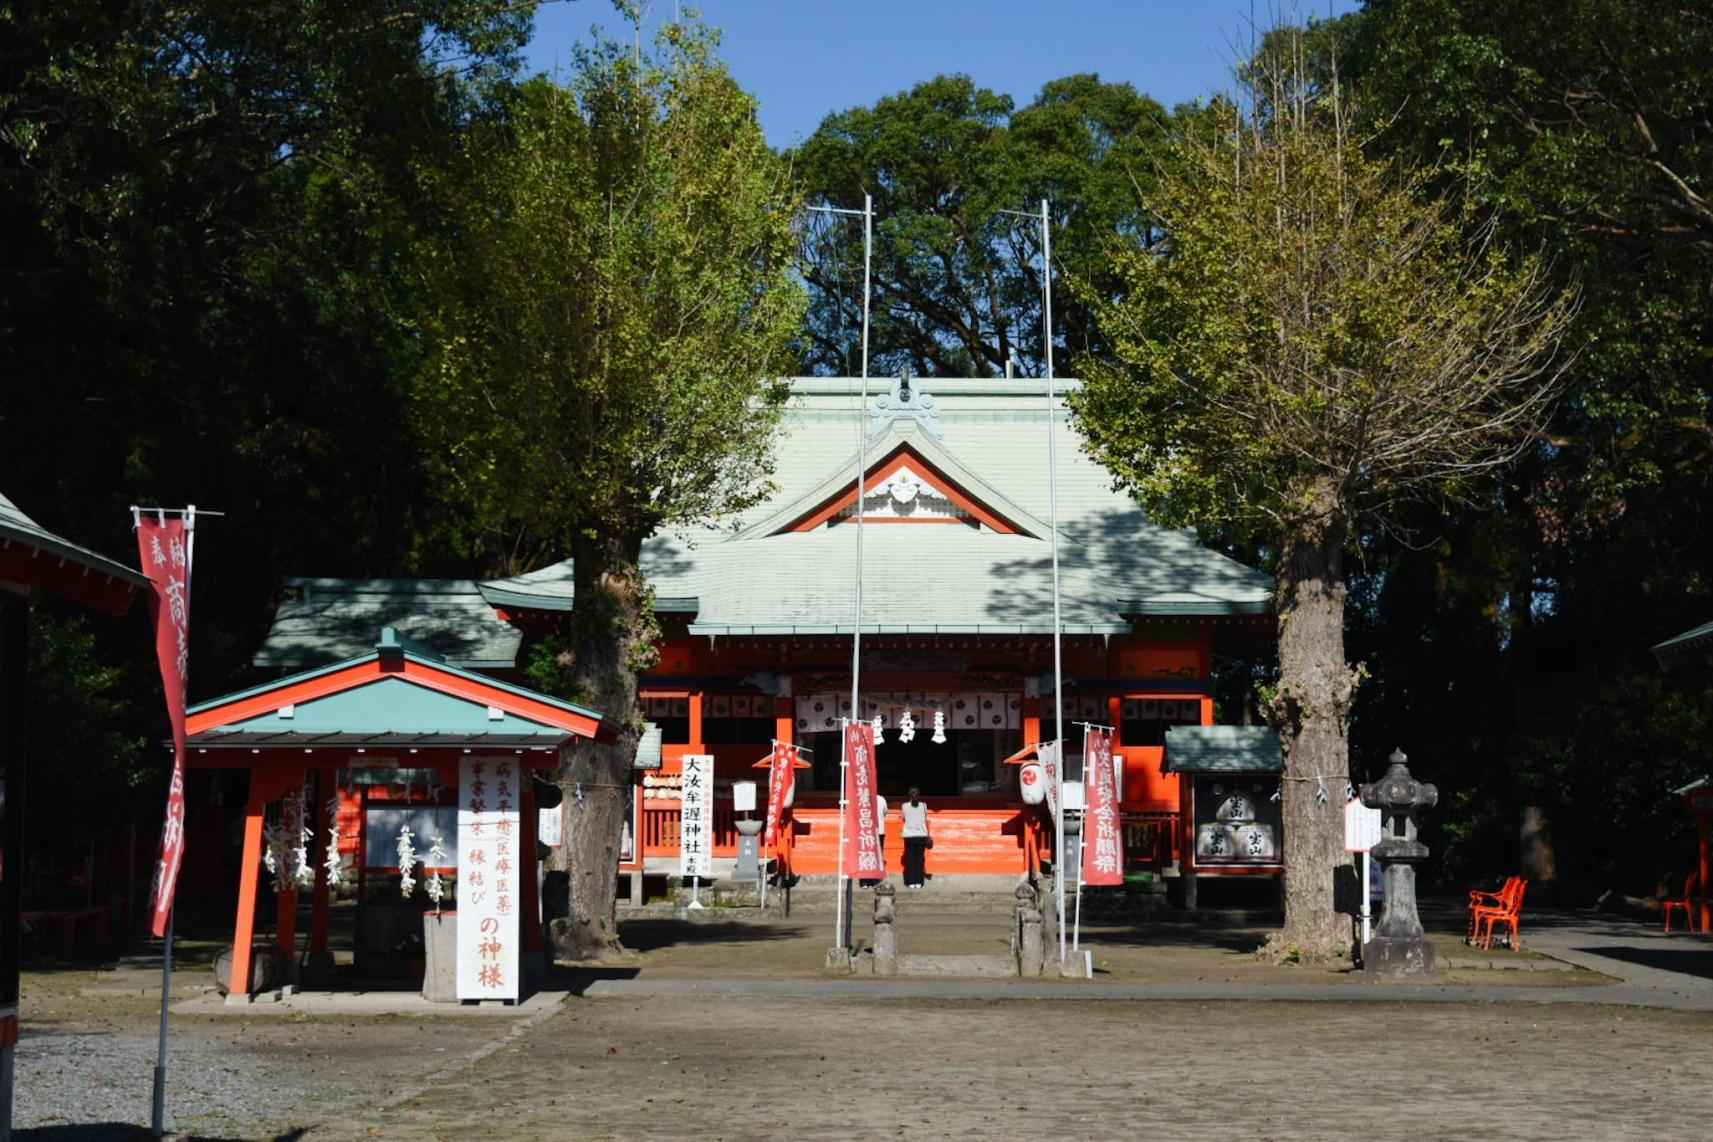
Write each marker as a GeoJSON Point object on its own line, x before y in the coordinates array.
{"type": "Point", "coordinates": [861, 857]}
{"type": "Point", "coordinates": [696, 823]}
{"type": "Point", "coordinates": [488, 877]}
{"type": "Point", "coordinates": [165, 550]}
{"type": "Point", "coordinates": [1103, 853]}
{"type": "Point", "coordinates": [779, 778]}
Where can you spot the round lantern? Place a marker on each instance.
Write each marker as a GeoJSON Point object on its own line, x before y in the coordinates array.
{"type": "Point", "coordinates": [1033, 779]}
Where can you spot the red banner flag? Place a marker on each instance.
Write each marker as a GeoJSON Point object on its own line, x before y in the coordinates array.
{"type": "Point", "coordinates": [1103, 856]}
{"type": "Point", "coordinates": [778, 785]}
{"type": "Point", "coordinates": [163, 544]}
{"type": "Point", "coordinates": [860, 858]}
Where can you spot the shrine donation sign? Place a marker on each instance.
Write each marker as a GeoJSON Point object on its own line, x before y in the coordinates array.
{"type": "Point", "coordinates": [696, 819]}
{"type": "Point", "coordinates": [1103, 859]}
{"type": "Point", "coordinates": [488, 877]}
{"type": "Point", "coordinates": [861, 855]}
{"type": "Point", "coordinates": [778, 784]}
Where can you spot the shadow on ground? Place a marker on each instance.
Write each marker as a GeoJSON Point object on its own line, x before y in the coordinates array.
{"type": "Point", "coordinates": [1684, 961]}
{"type": "Point", "coordinates": [650, 935]}
{"type": "Point", "coordinates": [1166, 934]}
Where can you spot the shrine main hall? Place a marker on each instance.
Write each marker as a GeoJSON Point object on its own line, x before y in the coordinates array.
{"type": "Point", "coordinates": [757, 613]}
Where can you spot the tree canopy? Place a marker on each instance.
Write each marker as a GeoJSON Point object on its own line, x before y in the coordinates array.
{"type": "Point", "coordinates": [957, 287]}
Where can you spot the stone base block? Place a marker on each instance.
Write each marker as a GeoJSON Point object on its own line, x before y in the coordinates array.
{"type": "Point", "coordinates": [1398, 955]}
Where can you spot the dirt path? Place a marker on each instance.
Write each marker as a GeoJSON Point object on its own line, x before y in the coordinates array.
{"type": "Point", "coordinates": [727, 1068]}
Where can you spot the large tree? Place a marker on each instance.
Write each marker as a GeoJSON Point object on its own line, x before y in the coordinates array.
{"type": "Point", "coordinates": [603, 343]}
{"type": "Point", "coordinates": [1317, 342]}
{"type": "Point", "coordinates": [957, 287]}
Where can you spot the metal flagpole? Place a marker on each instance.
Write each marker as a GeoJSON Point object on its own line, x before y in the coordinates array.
{"type": "Point", "coordinates": [1053, 517]}
{"type": "Point", "coordinates": [842, 916]}
{"type": "Point", "coordinates": [159, 1116]}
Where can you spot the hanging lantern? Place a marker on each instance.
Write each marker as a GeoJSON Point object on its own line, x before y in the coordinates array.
{"type": "Point", "coordinates": [907, 726]}
{"type": "Point", "coordinates": [939, 737]}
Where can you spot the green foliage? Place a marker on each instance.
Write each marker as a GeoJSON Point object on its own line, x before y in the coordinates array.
{"type": "Point", "coordinates": [201, 208]}
{"type": "Point", "coordinates": [1501, 649]}
{"type": "Point", "coordinates": [88, 757]}
{"type": "Point", "coordinates": [608, 313]}
{"type": "Point", "coordinates": [957, 283]}
{"type": "Point", "coordinates": [1314, 320]}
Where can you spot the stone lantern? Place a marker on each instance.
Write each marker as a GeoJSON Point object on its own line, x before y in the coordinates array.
{"type": "Point", "coordinates": [1399, 946]}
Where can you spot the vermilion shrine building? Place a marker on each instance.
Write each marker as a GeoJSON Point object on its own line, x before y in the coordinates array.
{"type": "Point", "coordinates": [757, 616]}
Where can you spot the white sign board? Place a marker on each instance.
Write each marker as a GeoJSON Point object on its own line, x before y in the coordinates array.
{"type": "Point", "coordinates": [549, 826]}
{"type": "Point", "coordinates": [696, 824]}
{"type": "Point", "coordinates": [743, 796]}
{"type": "Point", "coordinates": [1363, 827]}
{"type": "Point", "coordinates": [488, 878]}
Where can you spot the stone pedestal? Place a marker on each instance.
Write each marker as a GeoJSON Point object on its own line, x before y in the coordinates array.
{"type": "Point", "coordinates": [748, 866]}
{"type": "Point", "coordinates": [885, 929]}
{"type": "Point", "coordinates": [440, 953]}
{"type": "Point", "coordinates": [1031, 945]}
{"type": "Point", "coordinates": [1399, 946]}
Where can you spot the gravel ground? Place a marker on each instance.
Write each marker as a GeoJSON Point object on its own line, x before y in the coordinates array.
{"type": "Point", "coordinates": [85, 1064]}
{"type": "Point", "coordinates": [101, 1080]}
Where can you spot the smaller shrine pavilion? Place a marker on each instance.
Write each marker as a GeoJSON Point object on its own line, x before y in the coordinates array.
{"type": "Point", "coordinates": [345, 758]}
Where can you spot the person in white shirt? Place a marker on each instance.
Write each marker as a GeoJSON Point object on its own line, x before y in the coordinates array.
{"type": "Point", "coordinates": [880, 808]}
{"type": "Point", "coordinates": [917, 840]}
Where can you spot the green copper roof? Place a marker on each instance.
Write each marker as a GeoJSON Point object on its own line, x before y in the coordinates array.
{"type": "Point", "coordinates": [391, 706]}
{"type": "Point", "coordinates": [332, 619]}
{"type": "Point", "coordinates": [1692, 645]}
{"type": "Point", "coordinates": [1223, 749]}
{"type": "Point", "coordinates": [743, 577]}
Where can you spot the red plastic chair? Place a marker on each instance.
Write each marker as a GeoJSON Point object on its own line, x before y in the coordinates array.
{"type": "Point", "coordinates": [1479, 900]}
{"type": "Point", "coordinates": [1507, 914]}
{"type": "Point", "coordinates": [1685, 905]}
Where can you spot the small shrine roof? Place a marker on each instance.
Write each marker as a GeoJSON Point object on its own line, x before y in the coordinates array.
{"type": "Point", "coordinates": [399, 693]}
{"type": "Point", "coordinates": [1223, 749]}
{"type": "Point", "coordinates": [34, 556]}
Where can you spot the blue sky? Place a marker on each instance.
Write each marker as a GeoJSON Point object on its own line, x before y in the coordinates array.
{"type": "Point", "coordinates": [804, 59]}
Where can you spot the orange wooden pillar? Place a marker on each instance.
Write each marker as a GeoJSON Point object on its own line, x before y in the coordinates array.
{"type": "Point", "coordinates": [249, 880]}
{"type": "Point", "coordinates": [1706, 910]}
{"type": "Point", "coordinates": [1033, 828]}
{"type": "Point", "coordinates": [785, 730]}
{"type": "Point", "coordinates": [527, 828]}
{"type": "Point", "coordinates": [326, 789]}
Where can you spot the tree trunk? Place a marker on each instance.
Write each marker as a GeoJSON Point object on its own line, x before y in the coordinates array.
{"type": "Point", "coordinates": [1311, 709]}
{"type": "Point", "coordinates": [1538, 860]}
{"type": "Point", "coordinates": [612, 627]}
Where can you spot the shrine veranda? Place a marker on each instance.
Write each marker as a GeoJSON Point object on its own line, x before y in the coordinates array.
{"type": "Point", "coordinates": [757, 613]}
